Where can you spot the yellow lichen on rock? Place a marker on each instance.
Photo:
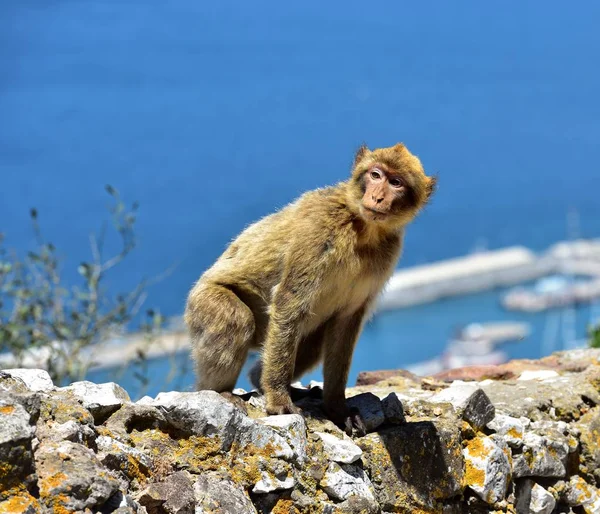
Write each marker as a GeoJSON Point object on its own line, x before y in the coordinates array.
{"type": "Point", "coordinates": [19, 503]}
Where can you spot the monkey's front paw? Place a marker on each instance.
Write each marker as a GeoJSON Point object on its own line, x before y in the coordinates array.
{"type": "Point", "coordinates": [285, 408]}
{"type": "Point", "coordinates": [349, 420]}
{"type": "Point", "coordinates": [355, 424]}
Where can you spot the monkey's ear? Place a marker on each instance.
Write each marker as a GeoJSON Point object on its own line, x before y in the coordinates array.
{"type": "Point", "coordinates": [360, 154]}
{"type": "Point", "coordinates": [431, 186]}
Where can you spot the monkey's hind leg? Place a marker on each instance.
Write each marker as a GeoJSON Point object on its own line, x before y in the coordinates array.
{"type": "Point", "coordinates": [222, 331]}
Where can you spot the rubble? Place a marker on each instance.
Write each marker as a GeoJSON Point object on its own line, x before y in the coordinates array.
{"type": "Point", "coordinates": [523, 438]}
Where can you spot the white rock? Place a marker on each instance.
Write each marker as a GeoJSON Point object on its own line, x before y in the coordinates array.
{"type": "Point", "coordinates": [14, 423]}
{"type": "Point", "coordinates": [532, 498]}
{"type": "Point", "coordinates": [34, 379]}
{"type": "Point", "coordinates": [145, 400]}
{"type": "Point", "coordinates": [315, 383]}
{"type": "Point", "coordinates": [292, 428]}
{"type": "Point", "coordinates": [239, 391]}
{"type": "Point", "coordinates": [470, 402]}
{"type": "Point", "coordinates": [341, 482]}
{"type": "Point", "coordinates": [393, 409]}
{"type": "Point", "coordinates": [207, 413]}
{"type": "Point", "coordinates": [274, 479]}
{"type": "Point", "coordinates": [258, 402]}
{"type": "Point", "coordinates": [541, 457]}
{"type": "Point", "coordinates": [108, 445]}
{"type": "Point", "coordinates": [511, 429]}
{"type": "Point", "coordinates": [251, 432]}
{"type": "Point", "coordinates": [538, 374]}
{"type": "Point", "coordinates": [99, 399]}
{"type": "Point", "coordinates": [71, 431]}
{"type": "Point", "coordinates": [343, 451]}
{"type": "Point", "coordinates": [370, 409]}
{"type": "Point", "coordinates": [580, 493]}
{"type": "Point", "coordinates": [203, 413]}
{"type": "Point", "coordinates": [542, 502]}
{"type": "Point", "coordinates": [487, 469]}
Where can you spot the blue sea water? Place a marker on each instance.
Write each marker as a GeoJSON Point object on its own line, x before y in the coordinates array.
{"type": "Point", "coordinates": [214, 114]}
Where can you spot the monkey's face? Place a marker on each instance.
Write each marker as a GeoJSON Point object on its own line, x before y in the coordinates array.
{"type": "Point", "coordinates": [392, 185]}
{"type": "Point", "coordinates": [383, 190]}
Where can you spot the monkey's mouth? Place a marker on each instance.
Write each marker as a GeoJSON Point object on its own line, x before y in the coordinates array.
{"type": "Point", "coordinates": [374, 213]}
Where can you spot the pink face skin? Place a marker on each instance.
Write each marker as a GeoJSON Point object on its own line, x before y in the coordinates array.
{"type": "Point", "coordinates": [382, 188]}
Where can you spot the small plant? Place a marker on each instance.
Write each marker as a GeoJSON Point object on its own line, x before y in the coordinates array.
{"type": "Point", "coordinates": [594, 334]}
{"type": "Point", "coordinates": [48, 323]}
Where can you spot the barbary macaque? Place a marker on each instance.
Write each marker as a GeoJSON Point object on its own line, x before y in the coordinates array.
{"type": "Point", "coordinates": [299, 283]}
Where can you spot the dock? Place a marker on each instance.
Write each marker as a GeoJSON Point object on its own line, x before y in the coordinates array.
{"type": "Point", "coordinates": [485, 271]}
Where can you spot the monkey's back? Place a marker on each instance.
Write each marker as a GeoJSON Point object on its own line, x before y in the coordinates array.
{"type": "Point", "coordinates": [253, 263]}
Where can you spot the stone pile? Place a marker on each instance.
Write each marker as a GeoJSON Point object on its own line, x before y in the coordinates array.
{"type": "Point", "coordinates": [520, 438]}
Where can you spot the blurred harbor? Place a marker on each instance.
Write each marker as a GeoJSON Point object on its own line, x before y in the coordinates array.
{"type": "Point", "coordinates": [487, 270]}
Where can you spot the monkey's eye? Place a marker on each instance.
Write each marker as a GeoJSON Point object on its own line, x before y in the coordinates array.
{"type": "Point", "coordinates": [376, 174]}
{"type": "Point", "coordinates": [396, 182]}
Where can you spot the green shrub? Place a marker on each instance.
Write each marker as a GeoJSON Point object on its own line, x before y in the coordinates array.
{"type": "Point", "coordinates": [62, 326]}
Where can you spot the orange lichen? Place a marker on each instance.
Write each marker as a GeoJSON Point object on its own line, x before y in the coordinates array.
{"type": "Point", "coordinates": [57, 504]}
{"type": "Point", "coordinates": [7, 409]}
{"type": "Point", "coordinates": [196, 449]}
{"type": "Point", "coordinates": [514, 433]}
{"type": "Point", "coordinates": [475, 476]}
{"type": "Point", "coordinates": [19, 503]}
{"type": "Point", "coordinates": [284, 506]}
{"type": "Point", "coordinates": [49, 483]}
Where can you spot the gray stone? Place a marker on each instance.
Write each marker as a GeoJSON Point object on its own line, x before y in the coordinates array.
{"type": "Point", "coordinates": [292, 428]}
{"type": "Point", "coordinates": [470, 401]}
{"type": "Point", "coordinates": [117, 456]}
{"type": "Point", "coordinates": [71, 476]}
{"type": "Point", "coordinates": [487, 469]}
{"type": "Point", "coordinates": [343, 481]}
{"type": "Point", "coordinates": [540, 457]}
{"type": "Point", "coordinates": [34, 379]}
{"type": "Point", "coordinates": [342, 451]}
{"type": "Point", "coordinates": [275, 476]}
{"type": "Point", "coordinates": [370, 409]}
{"type": "Point", "coordinates": [174, 495]}
{"type": "Point", "coordinates": [393, 409]}
{"type": "Point", "coordinates": [535, 399]}
{"type": "Point", "coordinates": [220, 495]}
{"type": "Point", "coordinates": [99, 399]}
{"type": "Point", "coordinates": [358, 505]}
{"type": "Point", "coordinates": [16, 454]}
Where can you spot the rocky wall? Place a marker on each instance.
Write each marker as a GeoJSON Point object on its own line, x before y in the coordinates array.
{"type": "Point", "coordinates": [523, 437]}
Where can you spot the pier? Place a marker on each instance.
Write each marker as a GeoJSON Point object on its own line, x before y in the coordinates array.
{"type": "Point", "coordinates": [484, 271]}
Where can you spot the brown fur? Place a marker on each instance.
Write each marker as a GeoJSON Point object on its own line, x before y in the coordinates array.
{"type": "Point", "coordinates": [299, 283]}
